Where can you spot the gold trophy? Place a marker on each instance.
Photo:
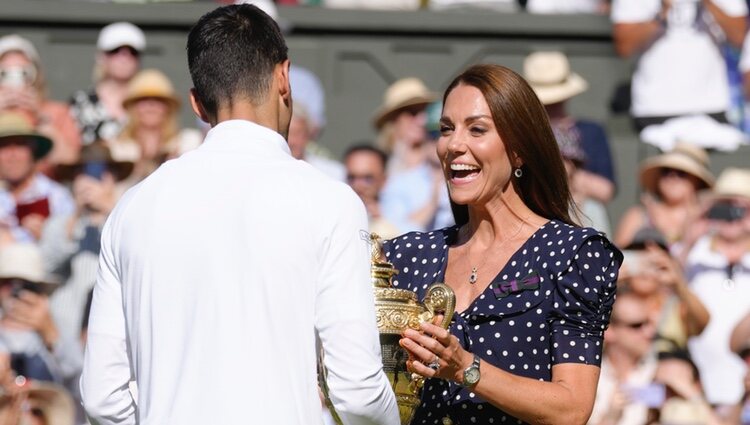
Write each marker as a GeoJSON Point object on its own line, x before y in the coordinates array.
{"type": "Point", "coordinates": [396, 310]}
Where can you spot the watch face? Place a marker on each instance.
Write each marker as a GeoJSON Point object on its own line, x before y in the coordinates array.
{"type": "Point", "coordinates": [471, 376]}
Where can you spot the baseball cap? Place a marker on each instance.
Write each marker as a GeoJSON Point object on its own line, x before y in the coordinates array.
{"type": "Point", "coordinates": [121, 34]}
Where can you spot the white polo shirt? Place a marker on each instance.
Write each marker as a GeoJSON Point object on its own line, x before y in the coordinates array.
{"type": "Point", "coordinates": [216, 274]}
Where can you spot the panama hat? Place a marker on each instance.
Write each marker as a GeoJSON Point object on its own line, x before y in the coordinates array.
{"type": "Point", "coordinates": [733, 182]}
{"type": "Point", "coordinates": [24, 261]}
{"type": "Point", "coordinates": [550, 76]}
{"type": "Point", "coordinates": [402, 94]}
{"type": "Point", "coordinates": [95, 153]}
{"type": "Point", "coordinates": [55, 404]}
{"type": "Point", "coordinates": [14, 126]}
{"type": "Point", "coordinates": [685, 157]}
{"type": "Point", "coordinates": [151, 83]}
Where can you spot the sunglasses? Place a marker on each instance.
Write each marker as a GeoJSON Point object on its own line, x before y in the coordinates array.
{"type": "Point", "coordinates": [366, 178]}
{"type": "Point", "coordinates": [632, 325]}
{"type": "Point", "coordinates": [122, 49]}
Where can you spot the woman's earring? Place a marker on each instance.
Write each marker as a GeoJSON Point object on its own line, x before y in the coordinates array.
{"type": "Point", "coordinates": [518, 172]}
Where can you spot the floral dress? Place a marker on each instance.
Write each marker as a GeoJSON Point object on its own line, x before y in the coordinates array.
{"type": "Point", "coordinates": [549, 304]}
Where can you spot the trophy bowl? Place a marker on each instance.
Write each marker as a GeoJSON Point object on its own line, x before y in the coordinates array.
{"type": "Point", "coordinates": [396, 310]}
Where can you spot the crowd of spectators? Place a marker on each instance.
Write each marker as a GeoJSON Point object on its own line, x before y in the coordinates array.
{"type": "Point", "coordinates": [678, 347]}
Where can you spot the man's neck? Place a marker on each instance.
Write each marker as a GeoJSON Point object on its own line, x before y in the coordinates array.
{"type": "Point", "coordinates": [18, 188]}
{"type": "Point", "coordinates": [622, 362]}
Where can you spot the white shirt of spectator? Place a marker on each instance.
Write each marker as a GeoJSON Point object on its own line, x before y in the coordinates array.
{"type": "Point", "coordinates": [682, 72]}
{"type": "Point", "coordinates": [727, 302]}
{"type": "Point", "coordinates": [744, 64]}
{"type": "Point", "coordinates": [217, 274]}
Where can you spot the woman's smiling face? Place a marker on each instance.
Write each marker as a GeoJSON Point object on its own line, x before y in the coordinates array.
{"type": "Point", "coordinates": [473, 156]}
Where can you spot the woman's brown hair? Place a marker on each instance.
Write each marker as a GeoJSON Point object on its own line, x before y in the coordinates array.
{"type": "Point", "coordinates": [523, 126]}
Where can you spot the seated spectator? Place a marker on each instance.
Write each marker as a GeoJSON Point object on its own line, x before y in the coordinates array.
{"type": "Point", "coordinates": [670, 204]}
{"type": "Point", "coordinates": [718, 270]}
{"type": "Point", "coordinates": [550, 76]}
{"type": "Point", "coordinates": [680, 69]}
{"type": "Point", "coordinates": [301, 135]}
{"type": "Point", "coordinates": [70, 242]}
{"type": "Point", "coordinates": [152, 134]}
{"type": "Point", "coordinates": [415, 196]}
{"type": "Point", "coordinates": [27, 197]}
{"type": "Point", "coordinates": [28, 332]}
{"type": "Point", "coordinates": [628, 364]}
{"type": "Point", "coordinates": [23, 90]}
{"type": "Point", "coordinates": [656, 279]}
{"type": "Point", "coordinates": [365, 173]}
{"type": "Point", "coordinates": [372, 5]}
{"type": "Point", "coordinates": [99, 111]}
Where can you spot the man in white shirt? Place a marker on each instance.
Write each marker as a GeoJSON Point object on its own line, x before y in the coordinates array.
{"type": "Point", "coordinates": [220, 271]}
{"type": "Point", "coordinates": [680, 68]}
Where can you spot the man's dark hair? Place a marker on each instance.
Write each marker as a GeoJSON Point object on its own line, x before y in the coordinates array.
{"type": "Point", "coordinates": [382, 156]}
{"type": "Point", "coordinates": [232, 52]}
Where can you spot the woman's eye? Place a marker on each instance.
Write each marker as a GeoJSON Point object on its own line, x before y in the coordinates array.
{"type": "Point", "coordinates": [478, 130]}
{"type": "Point", "coordinates": [444, 128]}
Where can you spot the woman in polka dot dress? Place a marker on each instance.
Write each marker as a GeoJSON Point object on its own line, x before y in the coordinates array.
{"type": "Point", "coordinates": [534, 291]}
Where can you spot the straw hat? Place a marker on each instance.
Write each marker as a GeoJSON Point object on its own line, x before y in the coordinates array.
{"type": "Point", "coordinates": [56, 404]}
{"type": "Point", "coordinates": [151, 83]}
{"type": "Point", "coordinates": [733, 182]}
{"type": "Point", "coordinates": [24, 261]}
{"type": "Point", "coordinates": [550, 76]}
{"type": "Point", "coordinates": [402, 94]}
{"type": "Point", "coordinates": [685, 157]}
{"type": "Point", "coordinates": [14, 125]}
{"type": "Point", "coordinates": [96, 153]}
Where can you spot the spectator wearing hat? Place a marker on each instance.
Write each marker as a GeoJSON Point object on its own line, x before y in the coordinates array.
{"type": "Point", "coordinates": [70, 243]}
{"type": "Point", "coordinates": [23, 90]}
{"type": "Point", "coordinates": [657, 280]}
{"type": "Point", "coordinates": [28, 197]}
{"type": "Point", "coordinates": [554, 83]}
{"type": "Point", "coordinates": [152, 133]}
{"type": "Point", "coordinates": [28, 331]}
{"type": "Point", "coordinates": [415, 196]}
{"type": "Point", "coordinates": [671, 182]}
{"type": "Point", "coordinates": [680, 69]}
{"type": "Point", "coordinates": [718, 270]}
{"type": "Point", "coordinates": [99, 112]}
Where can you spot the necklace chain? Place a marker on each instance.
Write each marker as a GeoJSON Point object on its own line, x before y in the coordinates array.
{"type": "Point", "coordinates": [474, 276]}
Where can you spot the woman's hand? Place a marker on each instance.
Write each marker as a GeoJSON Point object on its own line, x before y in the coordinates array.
{"type": "Point", "coordinates": [435, 346]}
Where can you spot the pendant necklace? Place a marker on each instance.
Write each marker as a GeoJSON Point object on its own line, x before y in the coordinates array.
{"type": "Point", "coordinates": [474, 276]}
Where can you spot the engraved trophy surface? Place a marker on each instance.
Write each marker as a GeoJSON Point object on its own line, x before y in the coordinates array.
{"type": "Point", "coordinates": [396, 310]}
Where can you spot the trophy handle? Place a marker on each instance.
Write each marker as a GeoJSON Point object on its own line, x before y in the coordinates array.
{"type": "Point", "coordinates": [440, 298]}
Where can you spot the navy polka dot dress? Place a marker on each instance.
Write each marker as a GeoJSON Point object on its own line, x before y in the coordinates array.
{"type": "Point", "coordinates": [550, 304]}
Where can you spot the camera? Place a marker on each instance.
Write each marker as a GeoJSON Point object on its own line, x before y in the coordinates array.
{"type": "Point", "coordinates": [17, 76]}
{"type": "Point", "coordinates": [726, 211]}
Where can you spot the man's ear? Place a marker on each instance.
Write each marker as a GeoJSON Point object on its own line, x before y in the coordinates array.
{"type": "Point", "coordinates": [285, 87]}
{"type": "Point", "coordinates": [197, 106]}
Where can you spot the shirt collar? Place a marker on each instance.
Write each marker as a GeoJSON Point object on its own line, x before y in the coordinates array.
{"type": "Point", "coordinates": [245, 136]}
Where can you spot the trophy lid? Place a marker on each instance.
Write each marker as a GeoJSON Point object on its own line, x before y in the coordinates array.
{"type": "Point", "coordinates": [381, 270]}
